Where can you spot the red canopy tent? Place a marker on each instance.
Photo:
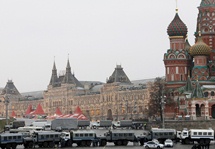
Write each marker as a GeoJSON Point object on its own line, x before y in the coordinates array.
{"type": "Point", "coordinates": [29, 110]}
{"type": "Point", "coordinates": [38, 111]}
{"type": "Point", "coordinates": [78, 110]}
{"type": "Point", "coordinates": [13, 114]}
{"type": "Point", "coordinates": [58, 112]}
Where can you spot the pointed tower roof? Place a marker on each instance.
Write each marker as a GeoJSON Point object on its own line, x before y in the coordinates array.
{"type": "Point", "coordinates": [188, 86]}
{"type": "Point", "coordinates": [54, 78]}
{"type": "Point", "coordinates": [69, 78]}
{"type": "Point", "coordinates": [119, 76]}
{"type": "Point", "coordinates": [39, 110]}
{"type": "Point", "coordinates": [11, 89]}
{"type": "Point", "coordinates": [58, 112]}
{"type": "Point", "coordinates": [187, 45]}
{"type": "Point", "coordinates": [78, 110]}
{"type": "Point", "coordinates": [177, 27]}
{"type": "Point", "coordinates": [197, 92]}
{"type": "Point", "coordinates": [29, 110]}
{"type": "Point", "coordinates": [207, 3]}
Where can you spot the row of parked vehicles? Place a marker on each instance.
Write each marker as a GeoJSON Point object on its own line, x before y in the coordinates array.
{"type": "Point", "coordinates": [66, 136]}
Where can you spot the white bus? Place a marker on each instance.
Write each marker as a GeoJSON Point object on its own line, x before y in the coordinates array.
{"type": "Point", "coordinates": [199, 135]}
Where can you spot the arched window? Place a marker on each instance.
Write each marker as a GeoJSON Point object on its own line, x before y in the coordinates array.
{"type": "Point", "coordinates": [206, 94]}
{"type": "Point", "coordinates": [212, 93]}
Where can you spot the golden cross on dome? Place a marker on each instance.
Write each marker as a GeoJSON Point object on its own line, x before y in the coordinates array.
{"type": "Point", "coordinates": [200, 30]}
{"type": "Point", "coordinates": [176, 6]}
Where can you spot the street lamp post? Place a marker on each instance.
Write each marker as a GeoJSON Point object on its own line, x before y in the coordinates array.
{"type": "Point", "coordinates": [6, 102]}
{"type": "Point", "coordinates": [162, 108]}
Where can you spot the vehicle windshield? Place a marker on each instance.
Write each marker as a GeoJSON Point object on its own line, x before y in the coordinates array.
{"type": "Point", "coordinates": [168, 141]}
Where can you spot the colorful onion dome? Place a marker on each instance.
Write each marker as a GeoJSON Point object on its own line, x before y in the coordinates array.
{"type": "Point", "coordinates": [200, 48]}
{"type": "Point", "coordinates": [177, 27]}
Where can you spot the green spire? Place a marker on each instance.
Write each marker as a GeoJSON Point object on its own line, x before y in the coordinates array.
{"type": "Point", "coordinates": [188, 86]}
{"type": "Point", "coordinates": [198, 93]}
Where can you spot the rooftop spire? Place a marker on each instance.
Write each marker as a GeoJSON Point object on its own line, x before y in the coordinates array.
{"type": "Point", "coordinates": [54, 78]}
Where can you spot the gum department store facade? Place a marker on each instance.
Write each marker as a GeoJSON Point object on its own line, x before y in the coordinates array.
{"type": "Point", "coordinates": [189, 73]}
{"type": "Point", "coordinates": [117, 99]}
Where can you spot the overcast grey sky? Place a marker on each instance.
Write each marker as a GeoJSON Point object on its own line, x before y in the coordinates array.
{"type": "Point", "coordinates": [97, 35]}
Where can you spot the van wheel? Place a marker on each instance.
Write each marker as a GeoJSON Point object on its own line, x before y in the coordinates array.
{"type": "Point", "coordinates": [30, 144]}
{"type": "Point", "coordinates": [125, 143]}
{"type": "Point", "coordinates": [201, 141]}
{"type": "Point", "coordinates": [8, 146]}
{"type": "Point", "coordinates": [207, 141]}
{"type": "Point", "coordinates": [69, 143]}
{"type": "Point", "coordinates": [45, 144]}
{"type": "Point", "coordinates": [187, 141]}
{"type": "Point", "coordinates": [88, 143]}
{"type": "Point", "coordinates": [83, 143]}
{"type": "Point", "coordinates": [51, 144]}
{"type": "Point", "coordinates": [13, 146]}
{"type": "Point", "coordinates": [119, 142]}
{"type": "Point", "coordinates": [103, 143]}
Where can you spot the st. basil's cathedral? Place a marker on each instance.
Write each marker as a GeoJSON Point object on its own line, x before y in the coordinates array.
{"type": "Point", "coordinates": [190, 70]}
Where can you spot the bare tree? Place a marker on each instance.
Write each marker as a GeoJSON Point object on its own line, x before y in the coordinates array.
{"type": "Point", "coordinates": [156, 95]}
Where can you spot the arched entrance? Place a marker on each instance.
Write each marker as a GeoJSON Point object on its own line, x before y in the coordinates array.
{"type": "Point", "coordinates": [198, 110]}
{"type": "Point", "coordinates": [109, 114]}
{"type": "Point", "coordinates": [213, 111]}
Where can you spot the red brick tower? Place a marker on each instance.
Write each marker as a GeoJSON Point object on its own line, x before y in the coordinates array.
{"type": "Point", "coordinates": [177, 59]}
{"type": "Point", "coordinates": [200, 52]}
{"type": "Point", "coordinates": [206, 21]}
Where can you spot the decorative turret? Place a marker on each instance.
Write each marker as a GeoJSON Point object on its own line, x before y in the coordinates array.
{"type": "Point", "coordinates": [54, 78]}
{"type": "Point", "coordinates": [177, 32]}
{"type": "Point", "coordinates": [200, 52]}
{"type": "Point", "coordinates": [200, 48]}
{"type": "Point", "coordinates": [119, 76]}
{"type": "Point", "coordinates": [69, 78]}
{"type": "Point", "coordinates": [206, 19]}
{"type": "Point", "coordinates": [10, 89]}
{"type": "Point", "coordinates": [177, 27]}
{"type": "Point", "coordinates": [177, 59]}
{"type": "Point", "coordinates": [187, 46]}
{"type": "Point", "coordinates": [197, 92]}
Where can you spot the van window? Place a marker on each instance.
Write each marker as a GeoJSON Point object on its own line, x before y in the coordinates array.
{"type": "Point", "coordinates": [194, 133]}
{"type": "Point", "coordinates": [56, 136]}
